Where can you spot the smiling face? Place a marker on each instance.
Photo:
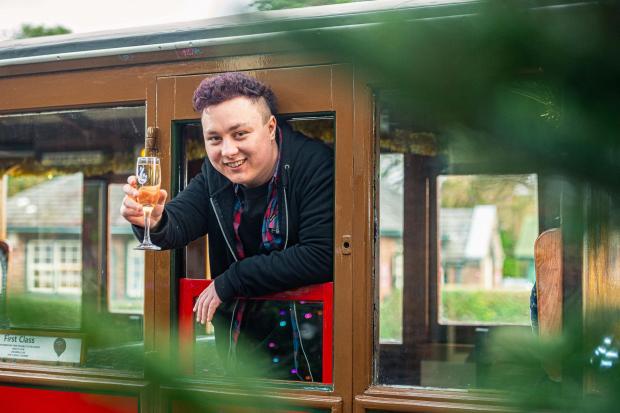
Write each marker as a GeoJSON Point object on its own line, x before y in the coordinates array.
{"type": "Point", "coordinates": [240, 140]}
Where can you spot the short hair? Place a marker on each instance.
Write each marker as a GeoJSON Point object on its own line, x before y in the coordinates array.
{"type": "Point", "coordinates": [226, 86]}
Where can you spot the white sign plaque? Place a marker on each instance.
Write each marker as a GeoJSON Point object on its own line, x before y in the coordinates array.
{"type": "Point", "coordinates": [26, 347]}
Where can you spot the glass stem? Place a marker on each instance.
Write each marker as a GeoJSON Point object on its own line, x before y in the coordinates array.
{"type": "Point", "coordinates": [147, 225]}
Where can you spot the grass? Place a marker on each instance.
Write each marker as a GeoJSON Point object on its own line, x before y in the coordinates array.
{"type": "Point", "coordinates": [391, 317]}
{"type": "Point", "coordinates": [460, 306]}
{"type": "Point", "coordinates": [37, 310]}
{"type": "Point", "coordinates": [485, 306]}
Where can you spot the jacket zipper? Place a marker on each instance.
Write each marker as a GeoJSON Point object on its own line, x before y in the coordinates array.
{"type": "Point", "coordinates": [217, 216]}
{"type": "Point", "coordinates": [286, 169]}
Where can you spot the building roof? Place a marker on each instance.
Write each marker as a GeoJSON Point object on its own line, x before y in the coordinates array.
{"type": "Point", "coordinates": [55, 206]}
{"type": "Point", "coordinates": [54, 203]}
{"type": "Point", "coordinates": [467, 233]}
{"type": "Point", "coordinates": [390, 212]}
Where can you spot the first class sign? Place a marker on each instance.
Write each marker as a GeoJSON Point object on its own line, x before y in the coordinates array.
{"type": "Point", "coordinates": [40, 348]}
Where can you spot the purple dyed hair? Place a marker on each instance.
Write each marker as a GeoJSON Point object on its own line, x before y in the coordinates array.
{"type": "Point", "coordinates": [220, 88]}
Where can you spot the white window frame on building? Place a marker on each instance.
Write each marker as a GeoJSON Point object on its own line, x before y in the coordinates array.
{"type": "Point", "coordinates": [58, 267]}
{"type": "Point", "coordinates": [134, 280]}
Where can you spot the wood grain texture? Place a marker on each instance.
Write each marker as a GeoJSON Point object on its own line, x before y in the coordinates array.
{"type": "Point", "coordinates": [548, 260]}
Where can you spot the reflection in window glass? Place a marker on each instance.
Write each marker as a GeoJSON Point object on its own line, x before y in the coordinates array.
{"type": "Point", "coordinates": [487, 228]}
{"type": "Point", "coordinates": [455, 242]}
{"type": "Point", "coordinates": [57, 169]}
{"type": "Point", "coordinates": [44, 285]}
{"type": "Point", "coordinates": [126, 274]}
{"type": "Point", "coordinates": [267, 356]}
{"type": "Point", "coordinates": [391, 248]}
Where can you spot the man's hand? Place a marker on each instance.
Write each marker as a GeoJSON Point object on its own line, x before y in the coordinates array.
{"type": "Point", "coordinates": [208, 301]}
{"type": "Point", "coordinates": [132, 211]}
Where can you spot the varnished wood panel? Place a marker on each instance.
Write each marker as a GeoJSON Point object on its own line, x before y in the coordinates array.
{"type": "Point", "coordinates": [64, 90]}
{"type": "Point", "coordinates": [298, 90]}
{"type": "Point", "coordinates": [364, 152]}
{"type": "Point", "coordinates": [548, 259]}
{"type": "Point", "coordinates": [602, 278]}
{"type": "Point", "coordinates": [121, 85]}
{"type": "Point", "coordinates": [342, 93]}
{"type": "Point", "coordinates": [367, 403]}
{"type": "Point", "coordinates": [163, 282]}
{"type": "Point", "coordinates": [179, 399]}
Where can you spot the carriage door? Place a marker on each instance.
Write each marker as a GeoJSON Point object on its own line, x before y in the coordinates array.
{"type": "Point", "coordinates": [318, 102]}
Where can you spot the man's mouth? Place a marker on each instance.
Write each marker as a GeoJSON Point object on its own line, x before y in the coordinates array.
{"type": "Point", "coordinates": [235, 164]}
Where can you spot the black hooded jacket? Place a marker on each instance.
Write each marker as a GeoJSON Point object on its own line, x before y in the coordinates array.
{"type": "Point", "coordinates": [306, 216]}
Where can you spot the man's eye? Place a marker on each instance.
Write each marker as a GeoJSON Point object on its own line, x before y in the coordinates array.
{"type": "Point", "coordinates": [213, 139]}
{"type": "Point", "coordinates": [240, 134]}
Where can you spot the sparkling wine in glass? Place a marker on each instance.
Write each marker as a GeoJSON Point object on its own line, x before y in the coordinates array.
{"type": "Point", "coordinates": [148, 175]}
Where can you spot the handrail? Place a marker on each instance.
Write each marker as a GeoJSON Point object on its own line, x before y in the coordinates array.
{"type": "Point", "coordinates": [190, 289]}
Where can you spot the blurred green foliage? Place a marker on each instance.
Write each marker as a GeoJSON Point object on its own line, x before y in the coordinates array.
{"type": "Point", "coordinates": [485, 306]}
{"type": "Point", "coordinates": [264, 5]}
{"type": "Point", "coordinates": [391, 316]}
{"type": "Point", "coordinates": [574, 372]}
{"type": "Point", "coordinates": [44, 311]}
{"type": "Point", "coordinates": [533, 86]}
{"type": "Point", "coordinates": [21, 183]}
{"type": "Point", "coordinates": [33, 30]}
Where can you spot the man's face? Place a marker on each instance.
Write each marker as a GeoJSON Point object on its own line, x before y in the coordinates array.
{"type": "Point", "coordinates": [240, 140]}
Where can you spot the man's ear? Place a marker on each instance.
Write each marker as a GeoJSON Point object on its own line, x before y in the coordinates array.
{"type": "Point", "coordinates": [272, 124]}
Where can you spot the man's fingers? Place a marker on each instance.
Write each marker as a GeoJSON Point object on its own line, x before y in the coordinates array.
{"type": "Point", "coordinates": [162, 197]}
{"type": "Point", "coordinates": [199, 305]}
{"type": "Point", "coordinates": [131, 204]}
{"type": "Point", "coordinates": [206, 304]}
{"type": "Point", "coordinates": [205, 309]}
{"type": "Point", "coordinates": [211, 312]}
{"type": "Point", "coordinates": [198, 300]}
{"type": "Point", "coordinates": [130, 191]}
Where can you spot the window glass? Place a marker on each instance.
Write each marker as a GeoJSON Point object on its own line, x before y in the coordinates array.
{"type": "Point", "coordinates": [305, 318]}
{"type": "Point", "coordinates": [126, 275]}
{"type": "Point", "coordinates": [391, 247]}
{"type": "Point", "coordinates": [487, 228]}
{"type": "Point", "coordinates": [455, 250]}
{"type": "Point", "coordinates": [61, 178]}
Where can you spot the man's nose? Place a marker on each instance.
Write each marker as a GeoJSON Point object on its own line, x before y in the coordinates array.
{"type": "Point", "coordinates": [229, 148]}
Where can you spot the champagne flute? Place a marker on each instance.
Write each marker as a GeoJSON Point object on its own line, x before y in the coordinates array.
{"type": "Point", "coordinates": [148, 175]}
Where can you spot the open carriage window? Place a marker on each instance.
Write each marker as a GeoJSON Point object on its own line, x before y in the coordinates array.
{"type": "Point", "coordinates": [455, 250]}
{"type": "Point", "coordinates": [71, 276]}
{"type": "Point", "coordinates": [309, 320]}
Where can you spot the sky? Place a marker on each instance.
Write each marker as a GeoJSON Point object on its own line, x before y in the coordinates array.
{"type": "Point", "coordinates": [81, 16]}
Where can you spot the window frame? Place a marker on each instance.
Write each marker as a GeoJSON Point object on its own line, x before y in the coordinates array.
{"type": "Point", "coordinates": [58, 268]}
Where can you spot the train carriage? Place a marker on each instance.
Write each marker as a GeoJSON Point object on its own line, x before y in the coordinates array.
{"type": "Point", "coordinates": [424, 271]}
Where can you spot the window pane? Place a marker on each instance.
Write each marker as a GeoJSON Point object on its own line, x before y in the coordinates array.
{"type": "Point", "coordinates": [391, 247]}
{"type": "Point", "coordinates": [455, 264]}
{"type": "Point", "coordinates": [56, 168]}
{"type": "Point", "coordinates": [126, 267]}
{"type": "Point", "coordinates": [278, 320]}
{"type": "Point", "coordinates": [487, 228]}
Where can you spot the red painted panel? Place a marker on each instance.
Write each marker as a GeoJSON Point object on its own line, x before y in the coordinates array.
{"type": "Point", "coordinates": [191, 288]}
{"type": "Point", "coordinates": [22, 399]}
